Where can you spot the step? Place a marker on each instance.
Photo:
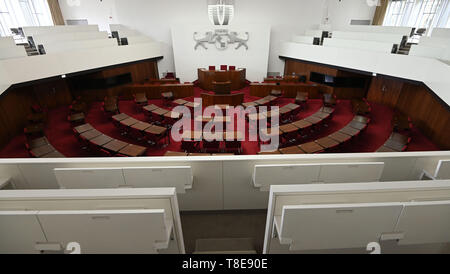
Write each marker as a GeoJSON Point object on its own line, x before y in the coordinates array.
{"type": "Point", "coordinates": [225, 246]}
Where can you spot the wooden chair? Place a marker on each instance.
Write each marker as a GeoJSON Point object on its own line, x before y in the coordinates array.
{"type": "Point", "coordinates": [140, 99]}
{"type": "Point", "coordinates": [167, 97]}
{"type": "Point", "coordinates": [302, 98]}
{"type": "Point", "coordinates": [211, 147]}
{"type": "Point", "coordinates": [276, 93]}
{"type": "Point", "coordinates": [233, 147]}
{"type": "Point", "coordinates": [329, 100]}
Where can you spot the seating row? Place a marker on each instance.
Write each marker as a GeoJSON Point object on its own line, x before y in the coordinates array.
{"type": "Point", "coordinates": [103, 145]}
{"type": "Point", "coordinates": [352, 130]}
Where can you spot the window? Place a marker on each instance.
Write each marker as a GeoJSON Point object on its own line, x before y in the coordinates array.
{"type": "Point", "coordinates": [427, 14]}
{"type": "Point", "coordinates": [22, 13]}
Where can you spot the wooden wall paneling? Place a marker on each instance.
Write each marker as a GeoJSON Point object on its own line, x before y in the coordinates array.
{"type": "Point", "coordinates": [154, 91]}
{"type": "Point", "coordinates": [262, 89]}
{"type": "Point", "coordinates": [15, 106]}
{"type": "Point", "coordinates": [430, 115]}
{"type": "Point", "coordinates": [52, 94]}
{"type": "Point", "coordinates": [427, 113]}
{"type": "Point", "coordinates": [385, 91]}
{"type": "Point", "coordinates": [140, 72]}
{"type": "Point", "coordinates": [303, 68]}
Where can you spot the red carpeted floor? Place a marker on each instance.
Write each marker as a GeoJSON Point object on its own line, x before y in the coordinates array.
{"type": "Point", "coordinates": [60, 135]}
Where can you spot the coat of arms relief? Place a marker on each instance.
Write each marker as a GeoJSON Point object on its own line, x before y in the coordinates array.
{"type": "Point", "coordinates": [221, 39]}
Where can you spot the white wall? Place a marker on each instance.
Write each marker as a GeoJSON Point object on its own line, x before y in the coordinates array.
{"type": "Point", "coordinates": [155, 18]}
{"type": "Point", "coordinates": [188, 60]}
{"type": "Point", "coordinates": [97, 12]}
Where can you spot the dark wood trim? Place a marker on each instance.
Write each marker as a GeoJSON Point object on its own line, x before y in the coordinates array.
{"type": "Point", "coordinates": [70, 75]}
{"type": "Point", "coordinates": [415, 82]}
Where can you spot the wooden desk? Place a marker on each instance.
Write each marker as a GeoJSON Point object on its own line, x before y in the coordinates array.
{"type": "Point", "coordinates": [340, 137]}
{"type": "Point", "coordinates": [269, 152]}
{"type": "Point", "coordinates": [192, 104]}
{"type": "Point", "coordinates": [311, 148]}
{"type": "Point", "coordinates": [150, 108]}
{"type": "Point", "coordinates": [387, 149]}
{"type": "Point", "coordinates": [236, 77]}
{"type": "Point", "coordinates": [327, 142]}
{"type": "Point", "coordinates": [289, 128]}
{"type": "Point", "coordinates": [392, 144]}
{"type": "Point", "coordinates": [313, 120]}
{"type": "Point", "coordinates": [54, 154]}
{"type": "Point", "coordinates": [120, 117]}
{"type": "Point", "coordinates": [133, 151]}
{"type": "Point", "coordinates": [129, 122]}
{"type": "Point", "coordinates": [285, 79]}
{"type": "Point", "coordinates": [222, 87]}
{"type": "Point", "coordinates": [175, 154]}
{"type": "Point", "coordinates": [249, 104]}
{"type": "Point", "coordinates": [302, 124]}
{"type": "Point", "coordinates": [231, 100]}
{"type": "Point", "coordinates": [91, 134]}
{"type": "Point", "coordinates": [160, 111]}
{"type": "Point", "coordinates": [162, 81]}
{"type": "Point", "coordinates": [156, 130]}
{"type": "Point", "coordinates": [350, 131]}
{"type": "Point", "coordinates": [321, 115]}
{"type": "Point", "coordinates": [292, 150]}
{"type": "Point", "coordinates": [38, 142]}
{"type": "Point", "coordinates": [42, 151]}
{"type": "Point", "coordinates": [358, 125]}
{"type": "Point", "coordinates": [115, 146]}
{"type": "Point", "coordinates": [101, 140]}
{"type": "Point", "coordinates": [399, 138]}
{"type": "Point", "coordinates": [141, 126]}
{"type": "Point", "coordinates": [180, 102]}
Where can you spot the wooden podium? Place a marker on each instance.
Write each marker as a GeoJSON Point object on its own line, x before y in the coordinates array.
{"type": "Point", "coordinates": [207, 77]}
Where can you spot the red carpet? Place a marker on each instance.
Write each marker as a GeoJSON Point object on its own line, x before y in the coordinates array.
{"type": "Point", "coordinates": [62, 138]}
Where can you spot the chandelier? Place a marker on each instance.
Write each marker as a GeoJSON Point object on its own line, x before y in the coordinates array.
{"type": "Point", "coordinates": [220, 12]}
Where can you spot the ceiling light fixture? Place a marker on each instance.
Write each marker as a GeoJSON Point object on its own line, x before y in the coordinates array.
{"type": "Point", "coordinates": [221, 12]}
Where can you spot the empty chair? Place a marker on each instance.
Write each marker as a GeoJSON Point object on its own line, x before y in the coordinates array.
{"type": "Point", "coordinates": [170, 75]}
{"type": "Point", "coordinates": [168, 97]}
{"type": "Point", "coordinates": [223, 67]}
{"type": "Point", "coordinates": [302, 98]}
{"type": "Point", "coordinates": [110, 105]}
{"type": "Point", "coordinates": [211, 146]}
{"type": "Point", "coordinates": [276, 93]}
{"type": "Point", "coordinates": [76, 119]}
{"type": "Point", "coordinates": [233, 147]}
{"type": "Point", "coordinates": [212, 67]}
{"type": "Point", "coordinates": [329, 100]}
{"type": "Point", "coordinates": [232, 68]}
{"type": "Point", "coordinates": [140, 99]}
